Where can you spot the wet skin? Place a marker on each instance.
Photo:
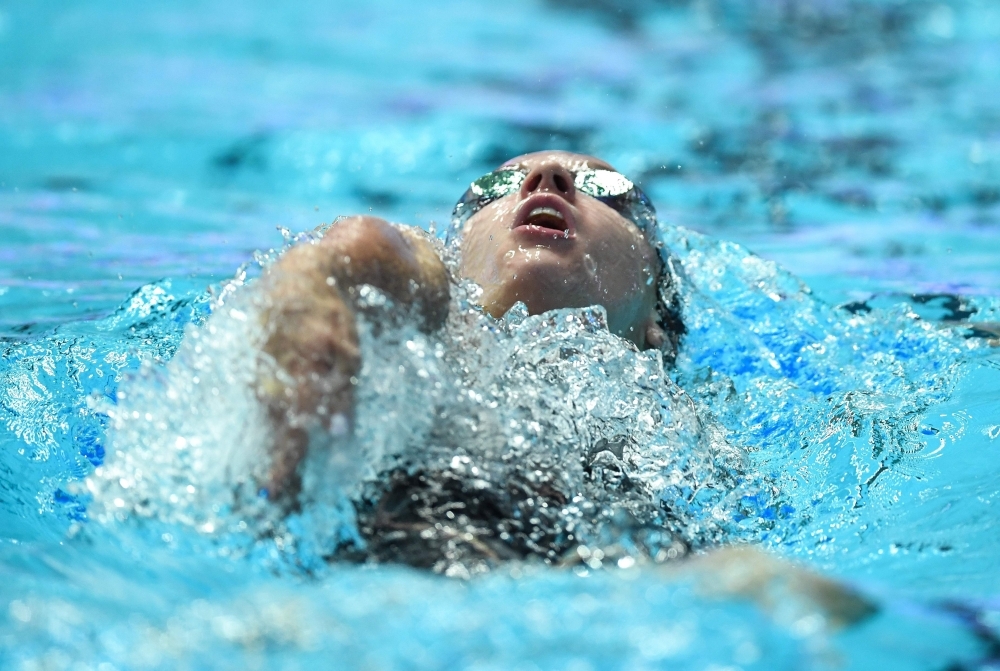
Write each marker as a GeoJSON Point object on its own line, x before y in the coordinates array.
{"type": "Point", "coordinates": [586, 254]}
{"type": "Point", "coordinates": [546, 245]}
{"type": "Point", "coordinates": [551, 246]}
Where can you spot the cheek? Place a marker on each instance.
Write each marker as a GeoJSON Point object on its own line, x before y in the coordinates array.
{"type": "Point", "coordinates": [626, 266]}
{"type": "Point", "coordinates": [476, 256]}
{"type": "Point", "coordinates": [482, 240]}
{"type": "Point", "coordinates": [621, 257]}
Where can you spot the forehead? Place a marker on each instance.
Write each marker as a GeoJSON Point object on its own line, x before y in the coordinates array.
{"type": "Point", "coordinates": [566, 159]}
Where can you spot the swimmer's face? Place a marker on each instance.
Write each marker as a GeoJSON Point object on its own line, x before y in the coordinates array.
{"type": "Point", "coordinates": [552, 246]}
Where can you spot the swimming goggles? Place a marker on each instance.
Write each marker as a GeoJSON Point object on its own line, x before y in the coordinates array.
{"type": "Point", "coordinates": [610, 187]}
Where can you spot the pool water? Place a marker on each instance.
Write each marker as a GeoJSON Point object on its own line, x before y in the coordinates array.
{"type": "Point", "coordinates": [827, 177]}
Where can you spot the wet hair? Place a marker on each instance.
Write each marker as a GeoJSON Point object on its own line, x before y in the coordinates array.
{"type": "Point", "coordinates": [668, 304]}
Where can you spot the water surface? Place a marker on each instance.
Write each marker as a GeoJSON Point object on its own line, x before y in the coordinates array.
{"type": "Point", "coordinates": [146, 152]}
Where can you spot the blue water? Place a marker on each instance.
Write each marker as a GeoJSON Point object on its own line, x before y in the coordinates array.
{"type": "Point", "coordinates": [147, 152]}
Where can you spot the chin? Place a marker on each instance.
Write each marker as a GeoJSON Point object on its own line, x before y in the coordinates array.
{"type": "Point", "coordinates": [543, 266]}
{"type": "Point", "coordinates": [541, 293]}
{"type": "Point", "coordinates": [552, 264]}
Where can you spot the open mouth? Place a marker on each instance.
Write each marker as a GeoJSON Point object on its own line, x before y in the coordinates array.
{"type": "Point", "coordinates": [546, 217]}
{"type": "Point", "coordinates": [546, 214]}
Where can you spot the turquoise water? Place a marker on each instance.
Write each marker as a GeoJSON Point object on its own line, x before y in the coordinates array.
{"type": "Point", "coordinates": [147, 152]}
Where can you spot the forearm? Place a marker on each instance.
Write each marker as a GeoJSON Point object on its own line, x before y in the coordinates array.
{"type": "Point", "coordinates": [311, 352]}
{"type": "Point", "coordinates": [309, 327]}
{"type": "Point", "coordinates": [306, 290]}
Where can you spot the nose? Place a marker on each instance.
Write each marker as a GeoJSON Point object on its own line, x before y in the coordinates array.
{"type": "Point", "coordinates": [550, 177]}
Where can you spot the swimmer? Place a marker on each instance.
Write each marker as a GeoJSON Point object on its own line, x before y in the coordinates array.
{"type": "Point", "coordinates": [550, 229]}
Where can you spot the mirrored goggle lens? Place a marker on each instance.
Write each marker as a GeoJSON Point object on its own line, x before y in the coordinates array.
{"type": "Point", "coordinates": [491, 187]}
{"type": "Point", "coordinates": [498, 184]}
{"type": "Point", "coordinates": [602, 183]}
{"type": "Point", "coordinates": [620, 194]}
{"type": "Point", "coordinates": [481, 193]}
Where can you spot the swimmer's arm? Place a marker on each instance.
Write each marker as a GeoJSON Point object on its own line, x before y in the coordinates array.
{"type": "Point", "coordinates": [311, 341]}
{"type": "Point", "coordinates": [780, 587]}
{"type": "Point", "coordinates": [400, 261]}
